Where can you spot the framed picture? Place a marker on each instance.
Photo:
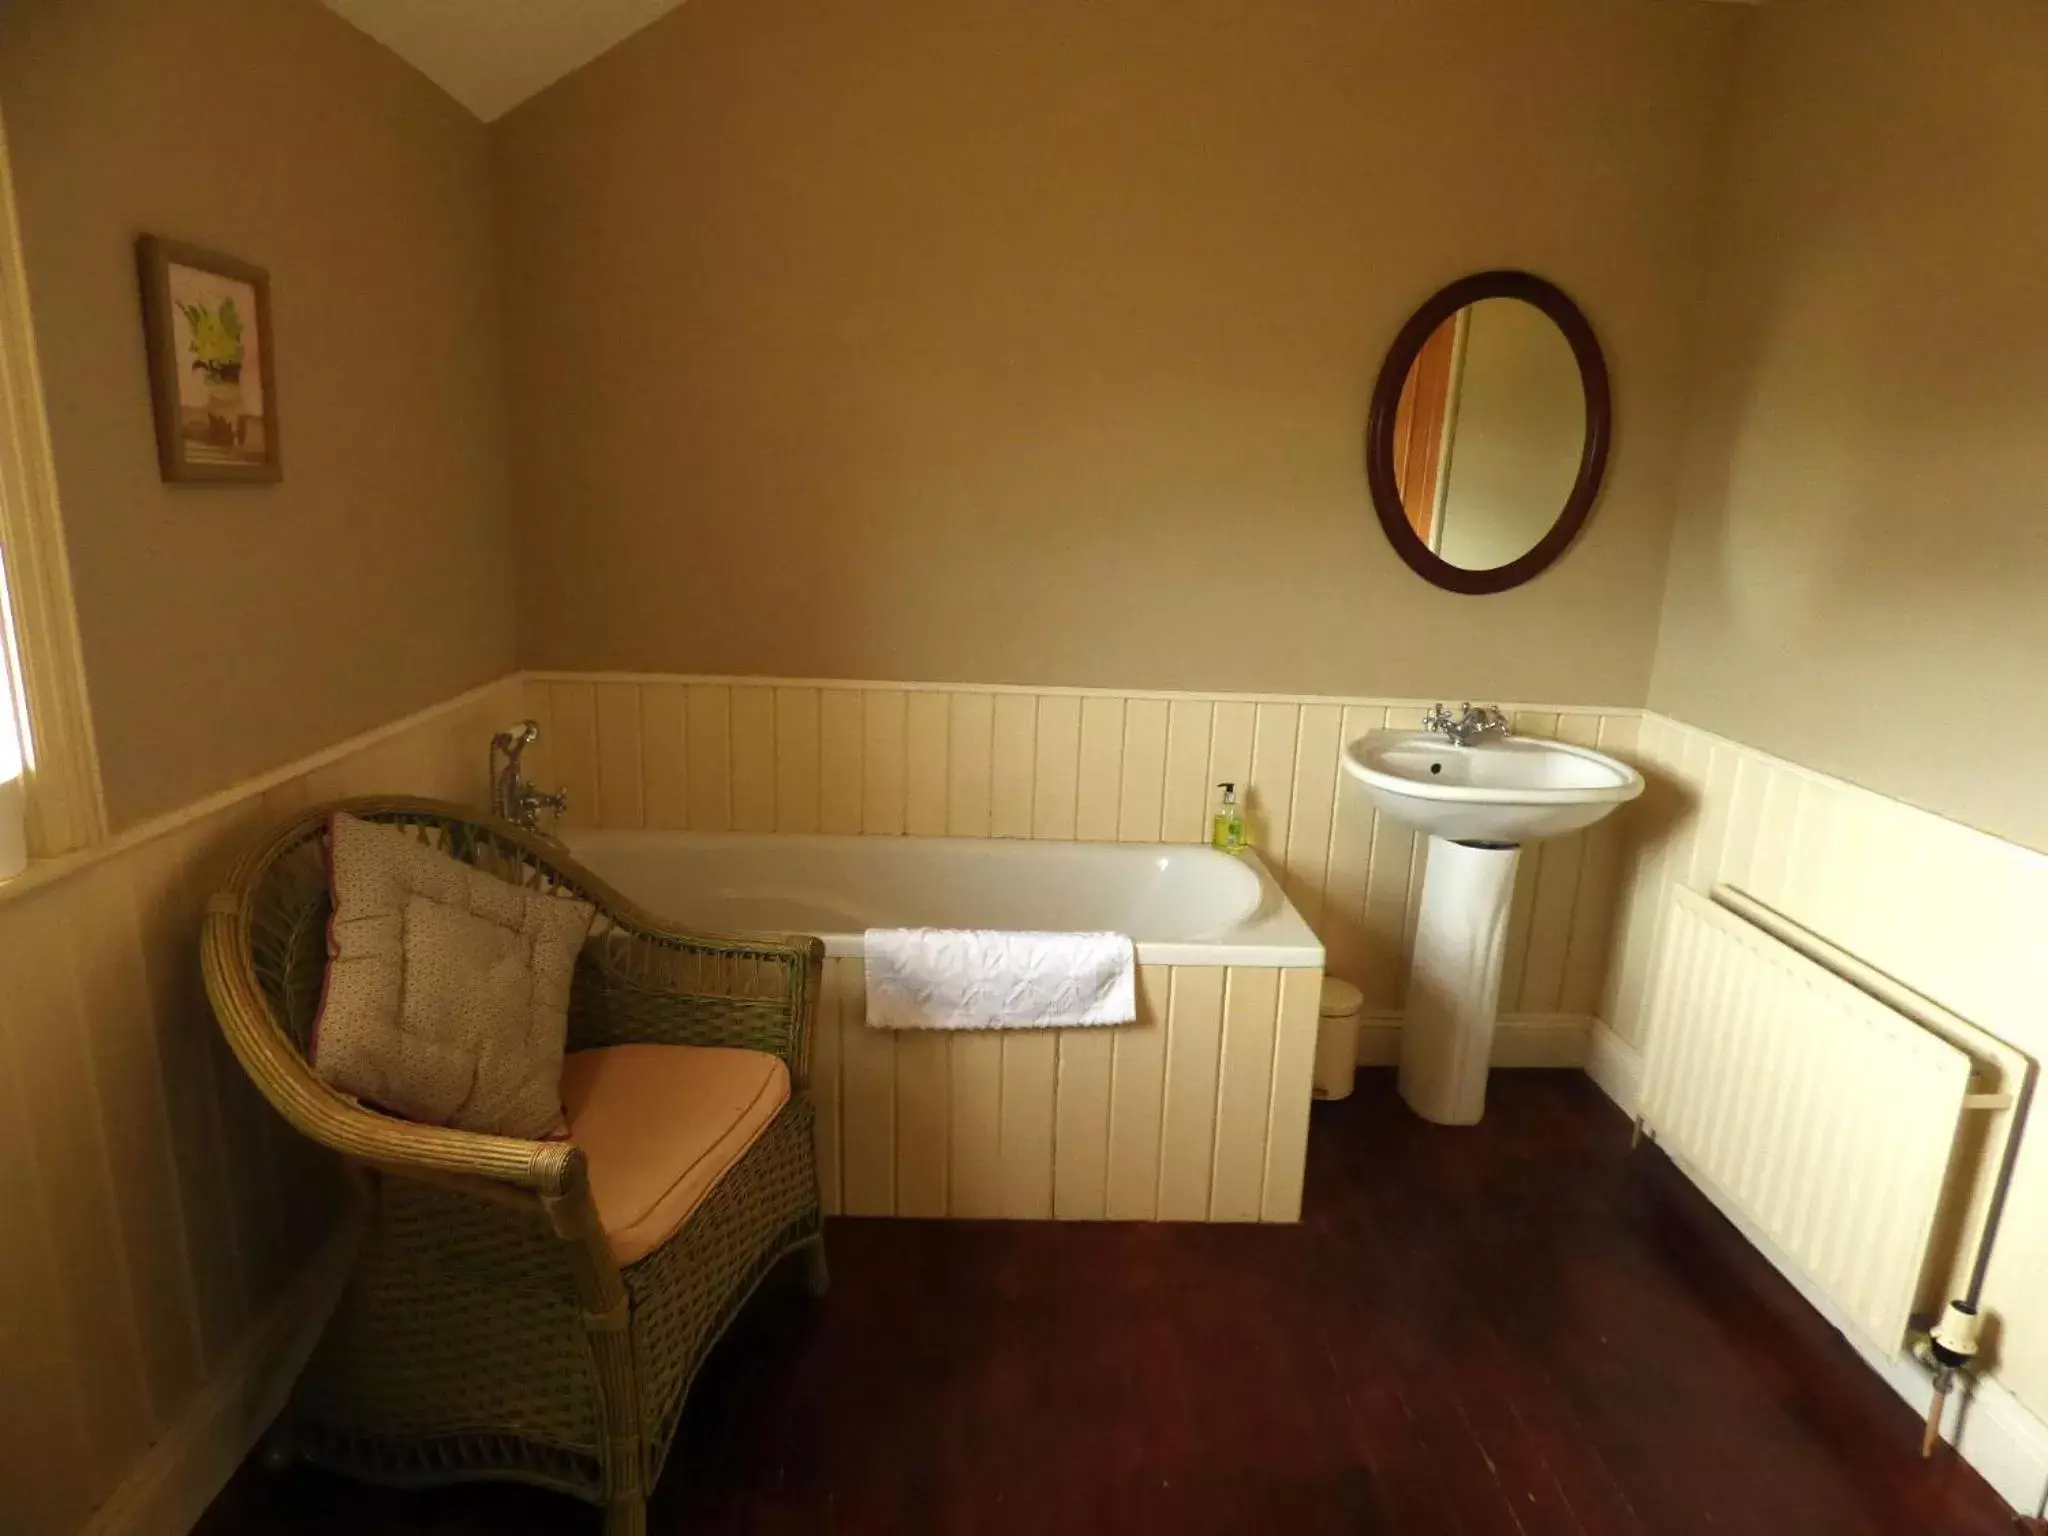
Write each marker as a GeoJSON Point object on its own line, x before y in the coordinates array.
{"type": "Point", "coordinates": [206, 320]}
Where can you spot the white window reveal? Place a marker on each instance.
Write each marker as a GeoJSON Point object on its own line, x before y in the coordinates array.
{"type": "Point", "coordinates": [50, 802]}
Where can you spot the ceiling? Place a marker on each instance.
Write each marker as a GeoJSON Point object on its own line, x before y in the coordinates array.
{"type": "Point", "coordinates": [490, 55]}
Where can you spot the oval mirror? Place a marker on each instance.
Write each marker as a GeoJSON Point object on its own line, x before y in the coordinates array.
{"type": "Point", "coordinates": [1488, 434]}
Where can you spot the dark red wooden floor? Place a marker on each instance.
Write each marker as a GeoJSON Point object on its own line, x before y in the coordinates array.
{"type": "Point", "coordinates": [1520, 1328]}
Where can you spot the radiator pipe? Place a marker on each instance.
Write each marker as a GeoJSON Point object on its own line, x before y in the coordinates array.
{"type": "Point", "coordinates": [1994, 1209]}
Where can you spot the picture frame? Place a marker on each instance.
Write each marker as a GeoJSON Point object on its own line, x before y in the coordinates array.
{"type": "Point", "coordinates": [212, 363]}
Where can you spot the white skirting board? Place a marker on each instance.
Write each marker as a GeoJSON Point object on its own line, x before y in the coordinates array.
{"type": "Point", "coordinates": [1520, 1040]}
{"type": "Point", "coordinates": [1616, 1066]}
{"type": "Point", "coordinates": [168, 1489]}
{"type": "Point", "coordinates": [1990, 1428]}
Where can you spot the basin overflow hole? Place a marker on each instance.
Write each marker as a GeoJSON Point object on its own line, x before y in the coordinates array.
{"type": "Point", "coordinates": [1436, 767]}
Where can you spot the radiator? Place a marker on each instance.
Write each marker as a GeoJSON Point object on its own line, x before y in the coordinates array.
{"type": "Point", "coordinates": [1821, 1118]}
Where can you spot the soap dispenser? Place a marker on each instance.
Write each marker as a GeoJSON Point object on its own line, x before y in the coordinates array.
{"type": "Point", "coordinates": [1226, 829]}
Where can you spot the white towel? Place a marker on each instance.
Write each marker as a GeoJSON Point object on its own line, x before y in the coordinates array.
{"type": "Point", "coordinates": [968, 978]}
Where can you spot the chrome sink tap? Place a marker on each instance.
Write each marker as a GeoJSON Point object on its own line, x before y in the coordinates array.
{"type": "Point", "coordinates": [513, 799]}
{"type": "Point", "coordinates": [1468, 725]}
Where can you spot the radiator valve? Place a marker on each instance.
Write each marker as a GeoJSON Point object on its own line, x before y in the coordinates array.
{"type": "Point", "coordinates": [1948, 1350]}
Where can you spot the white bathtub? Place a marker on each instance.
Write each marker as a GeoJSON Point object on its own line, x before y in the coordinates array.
{"type": "Point", "coordinates": [1196, 1112]}
{"type": "Point", "coordinates": [1183, 905]}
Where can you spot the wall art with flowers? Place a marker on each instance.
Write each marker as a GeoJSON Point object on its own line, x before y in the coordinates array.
{"type": "Point", "coordinates": [206, 319]}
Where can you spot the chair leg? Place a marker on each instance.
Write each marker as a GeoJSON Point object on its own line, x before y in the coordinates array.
{"type": "Point", "coordinates": [817, 1274]}
{"type": "Point", "coordinates": [626, 1517]}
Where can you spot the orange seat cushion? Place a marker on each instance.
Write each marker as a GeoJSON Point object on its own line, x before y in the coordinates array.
{"type": "Point", "coordinates": [661, 1125]}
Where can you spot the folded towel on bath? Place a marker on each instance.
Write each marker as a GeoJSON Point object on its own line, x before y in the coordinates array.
{"type": "Point", "coordinates": [969, 978]}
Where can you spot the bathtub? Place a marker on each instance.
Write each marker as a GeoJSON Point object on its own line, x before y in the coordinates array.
{"type": "Point", "coordinates": [1183, 905]}
{"type": "Point", "coordinates": [1197, 1112]}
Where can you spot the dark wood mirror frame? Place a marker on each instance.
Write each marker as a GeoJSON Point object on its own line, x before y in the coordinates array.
{"type": "Point", "coordinates": [1386, 401]}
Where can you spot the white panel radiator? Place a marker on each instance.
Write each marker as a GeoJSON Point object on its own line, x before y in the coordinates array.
{"type": "Point", "coordinates": [1820, 1117]}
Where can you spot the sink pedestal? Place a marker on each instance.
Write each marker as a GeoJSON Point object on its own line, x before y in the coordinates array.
{"type": "Point", "coordinates": [1461, 941]}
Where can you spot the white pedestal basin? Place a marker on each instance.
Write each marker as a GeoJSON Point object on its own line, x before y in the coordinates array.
{"type": "Point", "coordinates": [1511, 789]}
{"type": "Point", "coordinates": [1479, 804]}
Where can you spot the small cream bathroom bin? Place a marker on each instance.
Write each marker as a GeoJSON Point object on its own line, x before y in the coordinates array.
{"type": "Point", "coordinates": [1337, 1039]}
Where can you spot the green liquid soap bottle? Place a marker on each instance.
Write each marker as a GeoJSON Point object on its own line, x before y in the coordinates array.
{"type": "Point", "coordinates": [1226, 829]}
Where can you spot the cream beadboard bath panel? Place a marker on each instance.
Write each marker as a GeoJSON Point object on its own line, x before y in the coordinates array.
{"type": "Point", "coordinates": [1198, 1112]}
{"type": "Point", "coordinates": [1955, 914]}
{"type": "Point", "coordinates": [160, 1212]}
{"type": "Point", "coordinates": [719, 754]}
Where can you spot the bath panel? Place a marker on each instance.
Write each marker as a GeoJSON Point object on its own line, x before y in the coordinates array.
{"type": "Point", "coordinates": [1198, 1112]}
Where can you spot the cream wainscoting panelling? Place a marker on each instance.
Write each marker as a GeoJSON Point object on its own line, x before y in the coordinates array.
{"type": "Point", "coordinates": [717, 754]}
{"type": "Point", "coordinates": [160, 1215]}
{"type": "Point", "coordinates": [1952, 913]}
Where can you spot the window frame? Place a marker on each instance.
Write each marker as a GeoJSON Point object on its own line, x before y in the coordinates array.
{"type": "Point", "coordinates": [66, 808]}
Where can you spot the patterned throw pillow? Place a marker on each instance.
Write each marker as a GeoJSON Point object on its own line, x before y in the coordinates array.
{"type": "Point", "coordinates": [447, 996]}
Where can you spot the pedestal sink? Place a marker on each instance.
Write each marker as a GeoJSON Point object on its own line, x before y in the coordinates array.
{"type": "Point", "coordinates": [1478, 804]}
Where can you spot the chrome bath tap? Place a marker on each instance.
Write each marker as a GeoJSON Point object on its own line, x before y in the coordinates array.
{"type": "Point", "coordinates": [1468, 725]}
{"type": "Point", "coordinates": [513, 799]}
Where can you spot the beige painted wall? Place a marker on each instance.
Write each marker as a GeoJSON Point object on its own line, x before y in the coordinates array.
{"type": "Point", "coordinates": [1856, 583]}
{"type": "Point", "coordinates": [1033, 343]}
{"type": "Point", "coordinates": [227, 630]}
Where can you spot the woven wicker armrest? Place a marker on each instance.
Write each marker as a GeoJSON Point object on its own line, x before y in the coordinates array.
{"type": "Point", "coordinates": [643, 982]}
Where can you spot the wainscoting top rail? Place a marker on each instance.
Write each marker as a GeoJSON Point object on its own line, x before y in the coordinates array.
{"type": "Point", "coordinates": [44, 872]}
{"type": "Point", "coordinates": [1390, 701]}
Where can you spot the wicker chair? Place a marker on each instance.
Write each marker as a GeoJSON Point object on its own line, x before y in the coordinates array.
{"type": "Point", "coordinates": [486, 1330]}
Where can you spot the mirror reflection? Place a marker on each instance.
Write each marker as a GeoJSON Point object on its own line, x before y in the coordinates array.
{"type": "Point", "coordinates": [1489, 433]}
